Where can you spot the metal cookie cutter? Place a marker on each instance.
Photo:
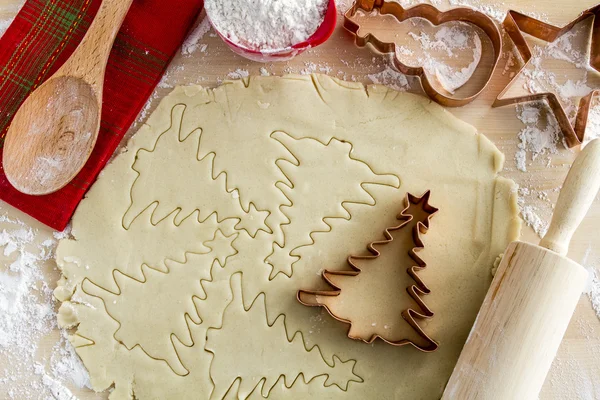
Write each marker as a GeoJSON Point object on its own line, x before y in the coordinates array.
{"type": "Point", "coordinates": [308, 298]}
{"type": "Point", "coordinates": [515, 24]}
{"type": "Point", "coordinates": [436, 17]}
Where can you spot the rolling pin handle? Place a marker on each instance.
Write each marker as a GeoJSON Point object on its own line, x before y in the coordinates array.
{"type": "Point", "coordinates": [578, 194]}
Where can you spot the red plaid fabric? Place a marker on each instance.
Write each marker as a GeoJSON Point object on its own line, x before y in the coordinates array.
{"type": "Point", "coordinates": [43, 36]}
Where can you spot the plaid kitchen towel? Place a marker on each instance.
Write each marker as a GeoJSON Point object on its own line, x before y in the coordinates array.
{"type": "Point", "coordinates": [42, 37]}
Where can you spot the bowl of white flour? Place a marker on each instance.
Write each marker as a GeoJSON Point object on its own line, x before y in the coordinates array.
{"type": "Point", "coordinates": [272, 30]}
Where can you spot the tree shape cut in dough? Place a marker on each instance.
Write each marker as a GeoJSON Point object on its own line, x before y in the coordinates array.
{"type": "Point", "coordinates": [196, 358]}
{"type": "Point", "coordinates": [330, 171]}
{"type": "Point", "coordinates": [236, 153]}
{"type": "Point", "coordinates": [157, 187]}
{"type": "Point", "coordinates": [144, 308]}
{"type": "Point", "coordinates": [238, 343]}
{"type": "Point", "coordinates": [127, 250]}
{"type": "Point", "coordinates": [370, 298]}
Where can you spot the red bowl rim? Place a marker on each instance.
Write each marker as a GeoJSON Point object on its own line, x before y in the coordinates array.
{"type": "Point", "coordinates": [323, 32]}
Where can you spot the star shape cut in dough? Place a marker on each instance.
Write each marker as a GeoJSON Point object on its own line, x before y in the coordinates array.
{"type": "Point", "coordinates": [516, 24]}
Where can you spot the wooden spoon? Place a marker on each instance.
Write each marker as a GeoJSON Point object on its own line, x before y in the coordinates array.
{"type": "Point", "coordinates": [55, 130]}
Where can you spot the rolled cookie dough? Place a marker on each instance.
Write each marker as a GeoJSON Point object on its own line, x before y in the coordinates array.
{"type": "Point", "coordinates": [187, 253]}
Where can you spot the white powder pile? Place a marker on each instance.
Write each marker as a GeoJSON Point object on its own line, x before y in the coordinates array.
{"type": "Point", "coordinates": [266, 25]}
{"type": "Point", "coordinates": [27, 315]}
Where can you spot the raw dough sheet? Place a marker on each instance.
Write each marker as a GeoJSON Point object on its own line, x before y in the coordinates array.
{"type": "Point", "coordinates": [187, 253]}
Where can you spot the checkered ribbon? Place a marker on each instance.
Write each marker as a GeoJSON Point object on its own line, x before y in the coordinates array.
{"type": "Point", "coordinates": [40, 40]}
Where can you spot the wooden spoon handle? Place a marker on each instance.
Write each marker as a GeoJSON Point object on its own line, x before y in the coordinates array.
{"type": "Point", "coordinates": [89, 60]}
{"type": "Point", "coordinates": [576, 197]}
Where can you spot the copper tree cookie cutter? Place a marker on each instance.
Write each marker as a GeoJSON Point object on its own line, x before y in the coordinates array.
{"type": "Point", "coordinates": [515, 25]}
{"type": "Point", "coordinates": [436, 17]}
{"type": "Point", "coordinates": [415, 291]}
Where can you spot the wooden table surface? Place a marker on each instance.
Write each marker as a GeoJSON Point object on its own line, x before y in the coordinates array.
{"type": "Point", "coordinates": [576, 371]}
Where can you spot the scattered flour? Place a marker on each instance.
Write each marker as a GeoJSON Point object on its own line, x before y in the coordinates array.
{"type": "Point", "coordinates": [390, 78]}
{"type": "Point", "coordinates": [238, 74]}
{"type": "Point", "coordinates": [343, 6]}
{"type": "Point", "coordinates": [65, 363]}
{"type": "Point", "coordinates": [56, 388]}
{"type": "Point", "coordinates": [192, 43]}
{"type": "Point", "coordinates": [144, 112]}
{"type": "Point", "coordinates": [25, 299]}
{"type": "Point", "coordinates": [532, 214]}
{"type": "Point", "coordinates": [4, 24]}
{"type": "Point", "coordinates": [510, 62]}
{"type": "Point", "coordinates": [452, 80]}
{"type": "Point", "coordinates": [311, 68]}
{"type": "Point", "coordinates": [451, 41]}
{"type": "Point", "coordinates": [446, 39]}
{"type": "Point", "coordinates": [539, 226]}
{"type": "Point", "coordinates": [27, 314]}
{"type": "Point", "coordinates": [12, 10]}
{"type": "Point", "coordinates": [539, 78]}
{"type": "Point", "coordinates": [592, 130]}
{"type": "Point", "coordinates": [171, 77]}
{"type": "Point", "coordinates": [593, 289]}
{"type": "Point", "coordinates": [265, 24]}
{"type": "Point", "coordinates": [540, 137]}
{"type": "Point", "coordinates": [496, 11]}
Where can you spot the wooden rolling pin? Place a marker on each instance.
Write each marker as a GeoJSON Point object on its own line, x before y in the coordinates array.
{"type": "Point", "coordinates": [530, 302]}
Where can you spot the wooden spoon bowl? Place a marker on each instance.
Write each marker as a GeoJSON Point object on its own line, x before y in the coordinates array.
{"type": "Point", "coordinates": [54, 132]}
{"type": "Point", "coordinates": [50, 144]}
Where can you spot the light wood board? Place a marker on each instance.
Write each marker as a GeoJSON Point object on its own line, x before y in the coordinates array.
{"type": "Point", "coordinates": [576, 371]}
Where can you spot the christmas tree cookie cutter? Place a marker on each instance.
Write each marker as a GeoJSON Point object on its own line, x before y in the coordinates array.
{"type": "Point", "coordinates": [515, 25]}
{"type": "Point", "coordinates": [436, 17]}
{"type": "Point", "coordinates": [310, 298]}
